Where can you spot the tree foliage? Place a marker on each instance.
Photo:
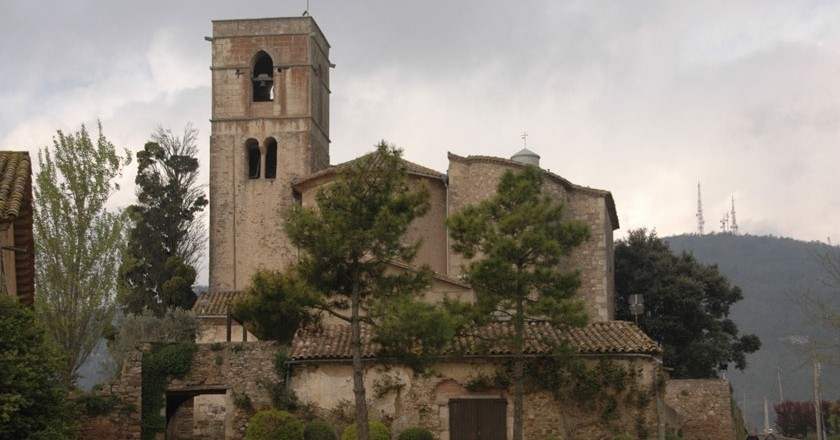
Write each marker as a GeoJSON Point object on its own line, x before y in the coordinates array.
{"type": "Point", "coordinates": [592, 394]}
{"type": "Point", "coordinates": [33, 398]}
{"type": "Point", "coordinates": [176, 325]}
{"type": "Point", "coordinates": [822, 307]}
{"type": "Point", "coordinates": [349, 241]}
{"type": "Point", "coordinates": [521, 237]}
{"type": "Point", "coordinates": [276, 304]}
{"type": "Point", "coordinates": [78, 241]}
{"type": "Point", "coordinates": [797, 418]}
{"type": "Point", "coordinates": [166, 236]}
{"type": "Point", "coordinates": [686, 306]}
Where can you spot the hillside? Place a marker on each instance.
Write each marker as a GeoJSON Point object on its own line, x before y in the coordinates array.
{"type": "Point", "coordinates": [772, 272]}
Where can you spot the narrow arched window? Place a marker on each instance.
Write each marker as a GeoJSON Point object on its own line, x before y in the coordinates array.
{"type": "Point", "coordinates": [270, 158]}
{"type": "Point", "coordinates": [263, 77]}
{"type": "Point", "coordinates": [253, 150]}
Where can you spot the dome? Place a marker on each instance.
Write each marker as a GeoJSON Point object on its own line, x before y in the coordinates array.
{"type": "Point", "coordinates": [527, 157]}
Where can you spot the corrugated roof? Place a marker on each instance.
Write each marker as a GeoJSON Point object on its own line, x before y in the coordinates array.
{"type": "Point", "coordinates": [214, 303]}
{"type": "Point", "coordinates": [15, 172]}
{"type": "Point", "coordinates": [613, 337]}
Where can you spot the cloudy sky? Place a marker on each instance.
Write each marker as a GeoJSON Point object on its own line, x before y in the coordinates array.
{"type": "Point", "coordinates": [641, 98]}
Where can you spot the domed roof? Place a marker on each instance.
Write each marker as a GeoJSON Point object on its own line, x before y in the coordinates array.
{"type": "Point", "coordinates": [527, 157]}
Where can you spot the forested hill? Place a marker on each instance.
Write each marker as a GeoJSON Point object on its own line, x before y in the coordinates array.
{"type": "Point", "coordinates": [772, 272]}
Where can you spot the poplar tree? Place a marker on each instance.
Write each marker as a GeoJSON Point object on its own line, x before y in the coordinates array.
{"type": "Point", "coordinates": [517, 239]}
{"type": "Point", "coordinates": [166, 236]}
{"type": "Point", "coordinates": [78, 241]}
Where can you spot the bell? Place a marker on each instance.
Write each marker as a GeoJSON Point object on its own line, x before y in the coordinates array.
{"type": "Point", "coordinates": [262, 78]}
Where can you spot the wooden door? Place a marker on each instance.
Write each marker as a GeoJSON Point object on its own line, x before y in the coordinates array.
{"type": "Point", "coordinates": [477, 419]}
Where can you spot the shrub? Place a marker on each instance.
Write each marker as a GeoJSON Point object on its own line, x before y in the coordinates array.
{"type": "Point", "coordinates": [416, 434]}
{"type": "Point", "coordinates": [319, 430]}
{"type": "Point", "coordinates": [274, 425]}
{"type": "Point", "coordinates": [377, 431]}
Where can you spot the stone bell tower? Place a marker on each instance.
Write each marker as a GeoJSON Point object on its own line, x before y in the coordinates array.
{"type": "Point", "coordinates": [269, 126]}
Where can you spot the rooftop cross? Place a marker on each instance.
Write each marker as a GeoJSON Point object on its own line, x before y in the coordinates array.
{"type": "Point", "coordinates": [525, 139]}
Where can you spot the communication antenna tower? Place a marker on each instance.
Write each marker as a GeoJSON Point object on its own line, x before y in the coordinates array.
{"type": "Point", "coordinates": [733, 227]}
{"type": "Point", "coordinates": [724, 223]}
{"type": "Point", "coordinates": [700, 221]}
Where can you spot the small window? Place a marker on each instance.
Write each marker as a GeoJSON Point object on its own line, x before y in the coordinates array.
{"type": "Point", "coordinates": [263, 78]}
{"type": "Point", "coordinates": [253, 149]}
{"type": "Point", "coordinates": [270, 158]}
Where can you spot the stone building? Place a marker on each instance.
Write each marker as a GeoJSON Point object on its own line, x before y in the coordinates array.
{"type": "Point", "coordinates": [269, 149]}
{"type": "Point", "coordinates": [17, 253]}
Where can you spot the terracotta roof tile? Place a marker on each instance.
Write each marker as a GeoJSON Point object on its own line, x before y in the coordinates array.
{"type": "Point", "coordinates": [411, 168]}
{"type": "Point", "coordinates": [15, 172]}
{"type": "Point", "coordinates": [214, 303]}
{"type": "Point", "coordinates": [613, 337]}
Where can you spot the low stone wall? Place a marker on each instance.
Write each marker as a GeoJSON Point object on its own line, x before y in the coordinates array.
{"type": "Point", "coordinates": [705, 407]}
{"type": "Point", "coordinates": [230, 380]}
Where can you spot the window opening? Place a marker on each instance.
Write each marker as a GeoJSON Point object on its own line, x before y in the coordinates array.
{"type": "Point", "coordinates": [263, 78]}
{"type": "Point", "coordinates": [270, 158]}
{"type": "Point", "coordinates": [253, 150]}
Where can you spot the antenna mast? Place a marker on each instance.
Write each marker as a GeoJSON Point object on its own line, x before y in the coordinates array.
{"type": "Point", "coordinates": [700, 221]}
{"type": "Point", "coordinates": [734, 226]}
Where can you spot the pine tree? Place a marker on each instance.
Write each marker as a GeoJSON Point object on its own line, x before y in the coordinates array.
{"type": "Point", "coordinates": [518, 239]}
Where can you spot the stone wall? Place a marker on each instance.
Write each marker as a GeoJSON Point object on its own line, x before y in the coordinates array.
{"type": "Point", "coordinates": [401, 399]}
{"type": "Point", "coordinates": [227, 384]}
{"type": "Point", "coordinates": [705, 407]}
{"type": "Point", "coordinates": [474, 179]}
{"type": "Point", "coordinates": [246, 213]}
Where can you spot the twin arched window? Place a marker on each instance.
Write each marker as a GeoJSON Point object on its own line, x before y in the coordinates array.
{"type": "Point", "coordinates": [254, 156]}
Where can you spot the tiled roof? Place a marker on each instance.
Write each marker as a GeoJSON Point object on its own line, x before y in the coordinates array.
{"type": "Point", "coordinates": [411, 167]}
{"type": "Point", "coordinates": [613, 337]}
{"type": "Point", "coordinates": [15, 172]}
{"type": "Point", "coordinates": [213, 303]}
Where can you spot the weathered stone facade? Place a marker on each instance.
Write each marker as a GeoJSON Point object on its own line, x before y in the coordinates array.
{"type": "Point", "coordinates": [227, 384]}
{"type": "Point", "coordinates": [288, 133]}
{"type": "Point", "coordinates": [248, 199]}
{"type": "Point", "coordinates": [705, 407]}
{"type": "Point", "coordinates": [402, 399]}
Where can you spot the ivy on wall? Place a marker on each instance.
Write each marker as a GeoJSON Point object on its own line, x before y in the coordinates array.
{"type": "Point", "coordinates": [162, 361]}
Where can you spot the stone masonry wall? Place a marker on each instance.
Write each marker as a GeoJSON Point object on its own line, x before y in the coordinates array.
{"type": "Point", "coordinates": [246, 213]}
{"type": "Point", "coordinates": [705, 406]}
{"type": "Point", "coordinates": [242, 375]}
{"type": "Point", "coordinates": [401, 399]}
{"type": "Point", "coordinates": [472, 180]}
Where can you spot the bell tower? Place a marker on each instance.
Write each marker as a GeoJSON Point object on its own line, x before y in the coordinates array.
{"type": "Point", "coordinates": [269, 126]}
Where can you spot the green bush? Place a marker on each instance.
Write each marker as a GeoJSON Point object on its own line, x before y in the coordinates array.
{"type": "Point", "coordinates": [272, 424]}
{"type": "Point", "coordinates": [622, 437]}
{"type": "Point", "coordinates": [319, 430]}
{"type": "Point", "coordinates": [377, 431]}
{"type": "Point", "coordinates": [416, 434]}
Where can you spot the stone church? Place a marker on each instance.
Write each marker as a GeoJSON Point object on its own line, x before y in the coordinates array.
{"type": "Point", "coordinates": [269, 151]}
